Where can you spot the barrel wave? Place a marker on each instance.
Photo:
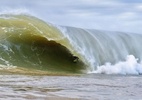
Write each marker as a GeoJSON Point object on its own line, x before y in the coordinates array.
{"type": "Point", "coordinates": [30, 43]}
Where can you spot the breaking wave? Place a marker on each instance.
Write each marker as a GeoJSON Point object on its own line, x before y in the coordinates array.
{"type": "Point", "coordinates": [30, 43]}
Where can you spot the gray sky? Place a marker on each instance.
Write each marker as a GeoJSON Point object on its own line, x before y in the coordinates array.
{"type": "Point", "coordinates": [116, 15]}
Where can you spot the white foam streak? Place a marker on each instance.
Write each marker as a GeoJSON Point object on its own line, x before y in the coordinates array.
{"type": "Point", "coordinates": [7, 65]}
{"type": "Point", "coordinates": [130, 66]}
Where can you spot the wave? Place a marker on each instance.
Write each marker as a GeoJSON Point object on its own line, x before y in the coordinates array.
{"type": "Point", "coordinates": [30, 43]}
{"type": "Point", "coordinates": [107, 52]}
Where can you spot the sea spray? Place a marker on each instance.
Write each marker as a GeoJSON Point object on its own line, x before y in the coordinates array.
{"type": "Point", "coordinates": [127, 67]}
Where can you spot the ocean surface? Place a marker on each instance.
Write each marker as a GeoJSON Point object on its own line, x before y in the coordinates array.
{"type": "Point", "coordinates": [88, 87]}
{"type": "Point", "coordinates": [40, 60]}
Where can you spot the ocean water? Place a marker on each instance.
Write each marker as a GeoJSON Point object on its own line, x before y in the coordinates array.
{"type": "Point", "coordinates": [40, 60]}
{"type": "Point", "coordinates": [88, 87]}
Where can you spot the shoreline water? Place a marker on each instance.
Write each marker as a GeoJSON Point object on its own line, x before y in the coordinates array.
{"type": "Point", "coordinates": [83, 87]}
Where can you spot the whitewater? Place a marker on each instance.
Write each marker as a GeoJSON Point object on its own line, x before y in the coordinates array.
{"type": "Point", "coordinates": [40, 60]}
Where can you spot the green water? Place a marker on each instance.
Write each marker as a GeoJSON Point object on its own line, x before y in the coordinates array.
{"type": "Point", "coordinates": [28, 42]}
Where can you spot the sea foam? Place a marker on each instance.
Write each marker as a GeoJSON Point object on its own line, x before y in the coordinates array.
{"type": "Point", "coordinates": [129, 66]}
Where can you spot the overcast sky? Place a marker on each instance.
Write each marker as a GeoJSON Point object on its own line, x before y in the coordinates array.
{"type": "Point", "coordinates": [116, 15]}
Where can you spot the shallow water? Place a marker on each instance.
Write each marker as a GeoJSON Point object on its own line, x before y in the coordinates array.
{"type": "Point", "coordinates": [86, 87]}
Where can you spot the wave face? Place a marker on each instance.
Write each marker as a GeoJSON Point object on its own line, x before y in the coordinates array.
{"type": "Point", "coordinates": [28, 42]}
